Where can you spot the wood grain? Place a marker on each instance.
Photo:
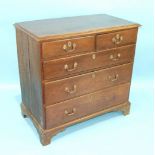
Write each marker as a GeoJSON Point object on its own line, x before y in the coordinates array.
{"type": "Point", "coordinates": [85, 105]}
{"type": "Point", "coordinates": [79, 85]}
{"type": "Point", "coordinates": [73, 69]}
{"type": "Point", "coordinates": [30, 75]}
{"type": "Point", "coordinates": [55, 49]}
{"type": "Point", "coordinates": [36, 81]}
{"type": "Point", "coordinates": [46, 135]}
{"type": "Point", "coordinates": [54, 69]}
{"type": "Point", "coordinates": [24, 68]}
{"type": "Point", "coordinates": [58, 28]}
{"type": "Point", "coordinates": [104, 41]}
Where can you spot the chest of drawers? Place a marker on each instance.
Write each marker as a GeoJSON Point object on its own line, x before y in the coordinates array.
{"type": "Point", "coordinates": [73, 69]}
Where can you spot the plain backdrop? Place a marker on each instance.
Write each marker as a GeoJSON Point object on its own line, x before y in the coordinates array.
{"type": "Point", "coordinates": [110, 134]}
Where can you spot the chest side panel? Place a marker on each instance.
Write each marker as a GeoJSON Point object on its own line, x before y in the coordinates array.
{"type": "Point", "coordinates": [24, 67]}
{"type": "Point", "coordinates": [30, 74]}
{"type": "Point", "coordinates": [36, 80]}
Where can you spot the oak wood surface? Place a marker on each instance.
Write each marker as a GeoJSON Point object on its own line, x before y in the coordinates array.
{"type": "Point", "coordinates": [36, 80]}
{"type": "Point", "coordinates": [46, 134]}
{"type": "Point", "coordinates": [49, 28]}
{"type": "Point", "coordinates": [56, 68]}
{"type": "Point", "coordinates": [85, 105]}
{"type": "Point", "coordinates": [85, 83]}
{"type": "Point", "coordinates": [24, 69]}
{"type": "Point", "coordinates": [104, 41]}
{"type": "Point", "coordinates": [30, 74]}
{"type": "Point", "coordinates": [55, 48]}
{"type": "Point", "coordinates": [73, 69]}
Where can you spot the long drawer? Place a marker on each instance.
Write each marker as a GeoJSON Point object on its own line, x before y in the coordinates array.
{"type": "Point", "coordinates": [116, 39]}
{"type": "Point", "coordinates": [70, 110]}
{"type": "Point", "coordinates": [86, 83]}
{"type": "Point", "coordinates": [66, 67]}
{"type": "Point", "coordinates": [67, 47]}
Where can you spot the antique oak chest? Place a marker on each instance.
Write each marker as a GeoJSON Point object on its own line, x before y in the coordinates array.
{"type": "Point", "coordinates": [73, 69]}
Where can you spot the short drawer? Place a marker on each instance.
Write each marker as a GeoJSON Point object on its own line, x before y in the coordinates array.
{"type": "Point", "coordinates": [73, 65]}
{"type": "Point", "coordinates": [70, 110]}
{"type": "Point", "coordinates": [86, 83]}
{"type": "Point", "coordinates": [67, 47]}
{"type": "Point", "coordinates": [116, 39]}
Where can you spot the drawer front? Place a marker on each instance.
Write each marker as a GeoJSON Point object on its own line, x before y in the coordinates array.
{"type": "Point", "coordinates": [86, 83]}
{"type": "Point", "coordinates": [83, 63]}
{"type": "Point", "coordinates": [70, 110]}
{"type": "Point", "coordinates": [67, 47]}
{"type": "Point", "coordinates": [116, 39]}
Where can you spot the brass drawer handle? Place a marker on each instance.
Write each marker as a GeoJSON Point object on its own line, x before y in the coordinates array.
{"type": "Point", "coordinates": [70, 113]}
{"type": "Point", "coordinates": [115, 78]}
{"type": "Point", "coordinates": [69, 47]}
{"type": "Point", "coordinates": [117, 39]}
{"type": "Point", "coordinates": [71, 91]}
{"type": "Point", "coordinates": [66, 67]}
{"type": "Point", "coordinates": [112, 57]}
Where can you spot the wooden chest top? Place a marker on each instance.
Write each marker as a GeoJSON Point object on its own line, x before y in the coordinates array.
{"type": "Point", "coordinates": [49, 28]}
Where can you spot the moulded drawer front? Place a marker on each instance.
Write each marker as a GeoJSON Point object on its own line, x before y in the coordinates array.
{"type": "Point", "coordinates": [60, 48]}
{"type": "Point", "coordinates": [116, 39]}
{"type": "Point", "coordinates": [66, 67]}
{"type": "Point", "coordinates": [70, 110]}
{"type": "Point", "coordinates": [86, 83]}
